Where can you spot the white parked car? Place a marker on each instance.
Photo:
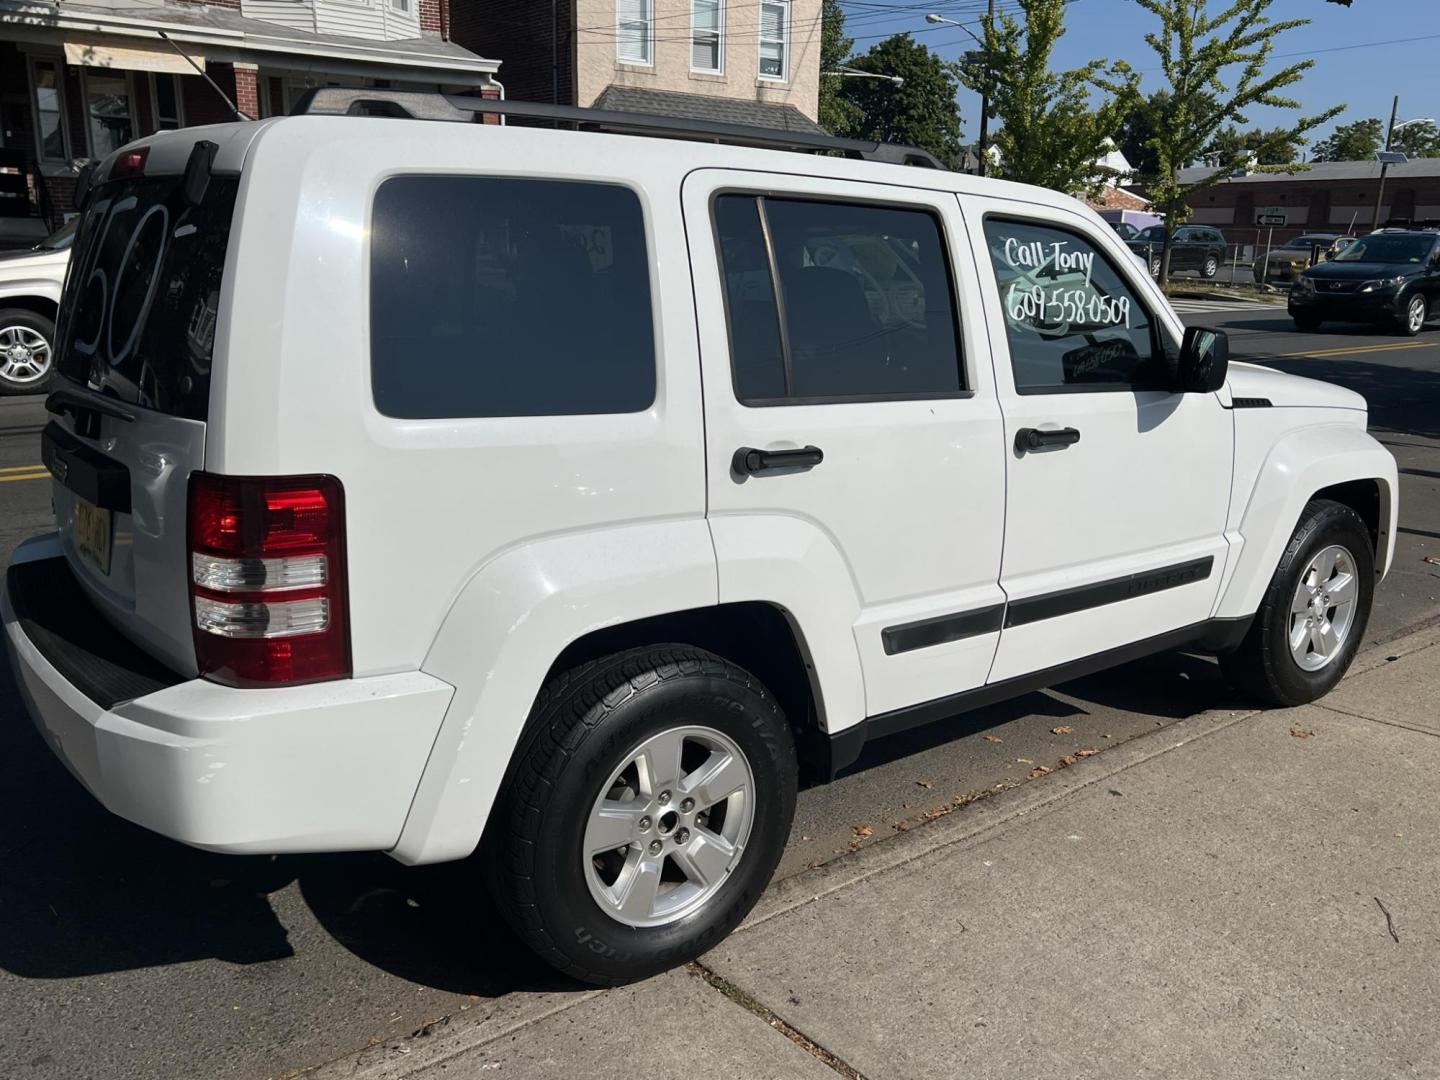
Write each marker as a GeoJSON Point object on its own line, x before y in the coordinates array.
{"type": "Point", "coordinates": [561, 497]}
{"type": "Point", "coordinates": [30, 284]}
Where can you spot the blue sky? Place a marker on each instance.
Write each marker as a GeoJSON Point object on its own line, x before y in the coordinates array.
{"type": "Point", "coordinates": [1364, 54]}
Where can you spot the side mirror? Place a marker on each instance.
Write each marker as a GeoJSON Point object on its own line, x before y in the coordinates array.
{"type": "Point", "coordinates": [1204, 360]}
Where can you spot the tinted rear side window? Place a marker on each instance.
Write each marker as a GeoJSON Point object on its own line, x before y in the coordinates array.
{"type": "Point", "coordinates": [143, 293]}
{"type": "Point", "coordinates": [501, 297]}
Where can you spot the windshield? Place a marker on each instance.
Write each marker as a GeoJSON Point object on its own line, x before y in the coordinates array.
{"type": "Point", "coordinates": [1154, 232]}
{"type": "Point", "coordinates": [1307, 242]}
{"type": "Point", "coordinates": [1388, 248]}
{"type": "Point", "coordinates": [61, 238]}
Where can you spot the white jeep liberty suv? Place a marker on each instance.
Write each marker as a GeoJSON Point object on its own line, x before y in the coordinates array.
{"type": "Point", "coordinates": [558, 496]}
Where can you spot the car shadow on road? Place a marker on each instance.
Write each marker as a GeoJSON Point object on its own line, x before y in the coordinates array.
{"type": "Point", "coordinates": [84, 893]}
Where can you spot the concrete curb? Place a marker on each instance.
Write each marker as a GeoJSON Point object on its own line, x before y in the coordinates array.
{"type": "Point", "coordinates": [471, 1028]}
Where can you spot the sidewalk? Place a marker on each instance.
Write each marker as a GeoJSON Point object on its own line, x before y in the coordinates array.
{"type": "Point", "coordinates": [1238, 895]}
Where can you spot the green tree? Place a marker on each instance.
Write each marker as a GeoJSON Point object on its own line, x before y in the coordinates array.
{"type": "Point", "coordinates": [837, 112]}
{"type": "Point", "coordinates": [1352, 142]}
{"type": "Point", "coordinates": [922, 112]}
{"type": "Point", "coordinates": [1419, 138]}
{"type": "Point", "coordinates": [1231, 147]}
{"type": "Point", "coordinates": [1215, 66]}
{"type": "Point", "coordinates": [1051, 134]}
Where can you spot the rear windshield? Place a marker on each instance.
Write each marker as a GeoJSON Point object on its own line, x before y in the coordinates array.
{"type": "Point", "coordinates": [143, 292]}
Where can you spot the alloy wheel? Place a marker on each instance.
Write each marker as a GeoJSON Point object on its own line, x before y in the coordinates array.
{"type": "Point", "coordinates": [24, 355]}
{"type": "Point", "coordinates": [1322, 611]}
{"type": "Point", "coordinates": [669, 826]}
{"type": "Point", "coordinates": [1415, 314]}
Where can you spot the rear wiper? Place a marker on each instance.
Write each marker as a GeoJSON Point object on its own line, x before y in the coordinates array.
{"type": "Point", "coordinates": [87, 407]}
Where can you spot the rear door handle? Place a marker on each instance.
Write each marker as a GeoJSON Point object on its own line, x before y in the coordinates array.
{"type": "Point", "coordinates": [749, 461]}
{"type": "Point", "coordinates": [1029, 438]}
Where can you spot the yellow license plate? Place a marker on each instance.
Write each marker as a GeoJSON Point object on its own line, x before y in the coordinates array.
{"type": "Point", "coordinates": [92, 534]}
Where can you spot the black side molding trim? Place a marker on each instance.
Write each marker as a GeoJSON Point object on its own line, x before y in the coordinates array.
{"type": "Point", "coordinates": [84, 470]}
{"type": "Point", "coordinates": [937, 631]}
{"type": "Point", "coordinates": [1068, 601]}
{"type": "Point", "coordinates": [1251, 403]}
{"type": "Point", "coordinates": [847, 745]}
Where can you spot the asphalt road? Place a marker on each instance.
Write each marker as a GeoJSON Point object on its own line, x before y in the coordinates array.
{"type": "Point", "coordinates": [125, 955]}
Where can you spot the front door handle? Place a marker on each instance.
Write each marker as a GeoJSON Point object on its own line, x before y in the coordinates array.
{"type": "Point", "coordinates": [749, 461]}
{"type": "Point", "coordinates": [1029, 438]}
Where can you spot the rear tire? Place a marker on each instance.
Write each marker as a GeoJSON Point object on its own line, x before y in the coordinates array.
{"type": "Point", "coordinates": [1286, 659]}
{"type": "Point", "coordinates": [27, 352]}
{"type": "Point", "coordinates": [1210, 267]}
{"type": "Point", "coordinates": [688, 860]}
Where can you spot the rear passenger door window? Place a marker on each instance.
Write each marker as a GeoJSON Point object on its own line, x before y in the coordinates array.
{"type": "Point", "coordinates": [509, 297]}
{"type": "Point", "coordinates": [1072, 322]}
{"type": "Point", "coordinates": [834, 302]}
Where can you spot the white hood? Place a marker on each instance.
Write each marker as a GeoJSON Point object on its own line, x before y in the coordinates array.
{"type": "Point", "coordinates": [1282, 390]}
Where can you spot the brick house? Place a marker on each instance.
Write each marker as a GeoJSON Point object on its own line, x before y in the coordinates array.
{"type": "Point", "coordinates": [79, 80]}
{"type": "Point", "coordinates": [739, 61]}
{"type": "Point", "coordinates": [1332, 196]}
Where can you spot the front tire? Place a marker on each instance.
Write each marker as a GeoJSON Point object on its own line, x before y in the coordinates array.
{"type": "Point", "coordinates": [650, 805]}
{"type": "Point", "coordinates": [1306, 324]}
{"type": "Point", "coordinates": [27, 352]}
{"type": "Point", "coordinates": [1417, 311]}
{"type": "Point", "coordinates": [1313, 616]}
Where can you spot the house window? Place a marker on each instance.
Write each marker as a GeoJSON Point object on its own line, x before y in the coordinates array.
{"type": "Point", "coordinates": [707, 27]}
{"type": "Point", "coordinates": [402, 6]}
{"type": "Point", "coordinates": [107, 112]}
{"type": "Point", "coordinates": [775, 39]}
{"type": "Point", "coordinates": [165, 95]}
{"type": "Point", "coordinates": [635, 25]}
{"type": "Point", "coordinates": [49, 92]}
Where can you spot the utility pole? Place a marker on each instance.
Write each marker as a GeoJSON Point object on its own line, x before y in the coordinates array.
{"type": "Point", "coordinates": [984, 100]}
{"type": "Point", "coordinates": [1384, 165]}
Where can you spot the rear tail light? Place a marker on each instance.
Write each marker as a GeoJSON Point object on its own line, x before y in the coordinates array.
{"type": "Point", "coordinates": [267, 579]}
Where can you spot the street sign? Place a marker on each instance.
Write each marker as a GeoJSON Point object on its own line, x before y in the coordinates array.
{"type": "Point", "coordinates": [1270, 215]}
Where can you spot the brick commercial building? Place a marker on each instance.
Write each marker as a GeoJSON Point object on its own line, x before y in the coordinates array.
{"type": "Point", "coordinates": [79, 80]}
{"type": "Point", "coordinates": [1333, 196]}
{"type": "Point", "coordinates": [741, 61]}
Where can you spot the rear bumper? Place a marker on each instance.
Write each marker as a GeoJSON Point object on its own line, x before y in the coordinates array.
{"type": "Point", "coordinates": [323, 767]}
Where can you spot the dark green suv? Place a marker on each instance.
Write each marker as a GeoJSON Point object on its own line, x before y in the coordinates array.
{"type": "Point", "coordinates": [1194, 247]}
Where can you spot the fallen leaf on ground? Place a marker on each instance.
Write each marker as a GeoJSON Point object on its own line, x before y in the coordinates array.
{"type": "Point", "coordinates": [926, 784]}
{"type": "Point", "coordinates": [862, 831]}
{"type": "Point", "coordinates": [1063, 729]}
{"type": "Point", "coordinates": [1023, 761]}
{"type": "Point", "coordinates": [993, 738]}
{"type": "Point", "coordinates": [1068, 759]}
{"type": "Point", "coordinates": [1432, 560]}
{"type": "Point", "coordinates": [1086, 753]}
{"type": "Point", "coordinates": [1301, 733]}
{"type": "Point", "coordinates": [1039, 770]}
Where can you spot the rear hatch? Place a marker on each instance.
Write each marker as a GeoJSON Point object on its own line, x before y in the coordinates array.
{"type": "Point", "coordinates": [136, 341]}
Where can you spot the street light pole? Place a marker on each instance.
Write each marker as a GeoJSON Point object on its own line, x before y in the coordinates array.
{"type": "Point", "coordinates": [941, 20]}
{"type": "Point", "coordinates": [1385, 165]}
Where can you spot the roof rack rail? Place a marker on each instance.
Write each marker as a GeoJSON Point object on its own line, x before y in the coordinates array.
{"type": "Point", "coordinates": [413, 105]}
